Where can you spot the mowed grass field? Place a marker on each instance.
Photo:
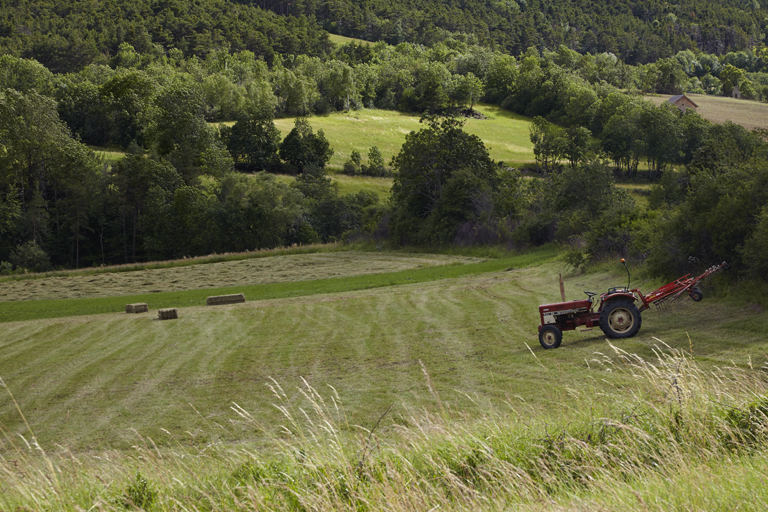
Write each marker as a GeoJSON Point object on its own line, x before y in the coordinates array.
{"type": "Point", "coordinates": [466, 344]}
{"type": "Point", "coordinates": [240, 272]}
{"type": "Point", "coordinates": [717, 109]}
{"type": "Point", "coordinates": [505, 134]}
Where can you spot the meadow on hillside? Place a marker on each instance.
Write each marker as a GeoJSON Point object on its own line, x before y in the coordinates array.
{"type": "Point", "coordinates": [243, 271]}
{"type": "Point", "coordinates": [337, 400]}
{"type": "Point", "coordinates": [472, 333]}
{"type": "Point", "coordinates": [505, 134]}
{"type": "Point", "coordinates": [718, 109]}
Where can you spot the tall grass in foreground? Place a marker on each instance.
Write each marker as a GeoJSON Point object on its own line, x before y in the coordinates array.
{"type": "Point", "coordinates": [679, 438]}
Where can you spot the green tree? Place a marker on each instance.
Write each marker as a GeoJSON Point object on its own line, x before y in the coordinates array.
{"type": "Point", "coordinates": [731, 77]}
{"type": "Point", "coordinates": [30, 256]}
{"type": "Point", "coordinates": [179, 131]}
{"type": "Point", "coordinates": [354, 165]}
{"type": "Point", "coordinates": [302, 147]}
{"type": "Point", "coordinates": [575, 145]}
{"type": "Point", "coordinates": [441, 174]}
{"type": "Point", "coordinates": [662, 133]}
{"type": "Point", "coordinates": [468, 89]}
{"type": "Point", "coordinates": [755, 251]}
{"type": "Point", "coordinates": [128, 99]}
{"type": "Point", "coordinates": [253, 143]}
{"type": "Point", "coordinates": [622, 141]}
{"type": "Point", "coordinates": [543, 135]}
{"type": "Point", "coordinates": [10, 211]}
{"type": "Point", "coordinates": [375, 166]}
{"type": "Point", "coordinates": [501, 77]}
{"type": "Point", "coordinates": [139, 177]}
{"type": "Point", "coordinates": [25, 75]}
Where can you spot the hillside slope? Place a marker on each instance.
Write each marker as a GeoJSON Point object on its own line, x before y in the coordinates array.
{"type": "Point", "coordinates": [636, 31]}
{"type": "Point", "coordinates": [68, 36]}
{"type": "Point", "coordinates": [717, 109]}
{"type": "Point", "coordinates": [86, 382]}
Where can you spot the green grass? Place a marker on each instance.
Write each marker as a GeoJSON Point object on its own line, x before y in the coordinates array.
{"type": "Point", "coordinates": [339, 40]}
{"type": "Point", "coordinates": [718, 109]}
{"type": "Point", "coordinates": [664, 440]}
{"type": "Point", "coordinates": [427, 393]}
{"type": "Point", "coordinates": [110, 156]}
{"type": "Point", "coordinates": [86, 381]}
{"type": "Point", "coordinates": [637, 191]}
{"type": "Point", "coordinates": [505, 134]}
{"type": "Point", "coordinates": [351, 184]}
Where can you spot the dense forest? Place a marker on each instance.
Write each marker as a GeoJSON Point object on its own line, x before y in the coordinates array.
{"type": "Point", "coordinates": [66, 36]}
{"type": "Point", "coordinates": [635, 31]}
{"type": "Point", "coordinates": [178, 193]}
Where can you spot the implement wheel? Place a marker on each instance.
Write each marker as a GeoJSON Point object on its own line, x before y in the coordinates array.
{"type": "Point", "coordinates": [620, 319]}
{"type": "Point", "coordinates": [695, 294]}
{"type": "Point", "coordinates": [550, 336]}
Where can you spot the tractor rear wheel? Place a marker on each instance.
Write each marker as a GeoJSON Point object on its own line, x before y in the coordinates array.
{"type": "Point", "coordinates": [620, 319]}
{"type": "Point", "coordinates": [695, 294]}
{"type": "Point", "coordinates": [550, 336]}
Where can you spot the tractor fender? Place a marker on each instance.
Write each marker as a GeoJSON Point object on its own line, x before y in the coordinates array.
{"type": "Point", "coordinates": [605, 299]}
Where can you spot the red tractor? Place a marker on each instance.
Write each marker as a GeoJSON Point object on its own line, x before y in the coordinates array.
{"type": "Point", "coordinates": [617, 315]}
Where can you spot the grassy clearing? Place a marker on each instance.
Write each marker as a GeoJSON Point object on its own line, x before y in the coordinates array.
{"type": "Point", "coordinates": [717, 109]}
{"type": "Point", "coordinates": [352, 184]}
{"type": "Point", "coordinates": [505, 134]}
{"type": "Point", "coordinates": [110, 156]}
{"type": "Point", "coordinates": [637, 191]}
{"type": "Point", "coordinates": [339, 40]}
{"type": "Point", "coordinates": [278, 268]}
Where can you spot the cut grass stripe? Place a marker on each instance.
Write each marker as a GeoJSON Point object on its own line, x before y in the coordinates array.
{"type": "Point", "coordinates": [34, 310]}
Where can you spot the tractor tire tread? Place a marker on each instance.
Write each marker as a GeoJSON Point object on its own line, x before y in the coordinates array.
{"type": "Point", "coordinates": [610, 308]}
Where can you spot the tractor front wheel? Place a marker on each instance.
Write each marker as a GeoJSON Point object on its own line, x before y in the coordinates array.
{"type": "Point", "coordinates": [550, 336]}
{"type": "Point", "coordinates": [620, 319]}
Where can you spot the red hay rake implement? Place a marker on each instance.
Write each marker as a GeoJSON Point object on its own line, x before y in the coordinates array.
{"type": "Point", "coordinates": [617, 315]}
{"type": "Point", "coordinates": [671, 291]}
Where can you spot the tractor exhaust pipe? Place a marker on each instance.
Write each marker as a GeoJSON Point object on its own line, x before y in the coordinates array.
{"type": "Point", "coordinates": [629, 277]}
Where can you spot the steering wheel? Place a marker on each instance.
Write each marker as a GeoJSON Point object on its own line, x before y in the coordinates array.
{"type": "Point", "coordinates": [590, 295]}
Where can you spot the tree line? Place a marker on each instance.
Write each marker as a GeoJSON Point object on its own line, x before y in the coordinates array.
{"type": "Point", "coordinates": [175, 193]}
{"type": "Point", "coordinates": [61, 205]}
{"type": "Point", "coordinates": [447, 190]}
{"type": "Point", "coordinates": [112, 104]}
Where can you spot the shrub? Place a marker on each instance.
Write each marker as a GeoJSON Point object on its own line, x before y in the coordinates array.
{"type": "Point", "coordinates": [140, 493]}
{"type": "Point", "coordinates": [30, 256]}
{"type": "Point", "coordinates": [575, 258]}
{"type": "Point", "coordinates": [353, 166]}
